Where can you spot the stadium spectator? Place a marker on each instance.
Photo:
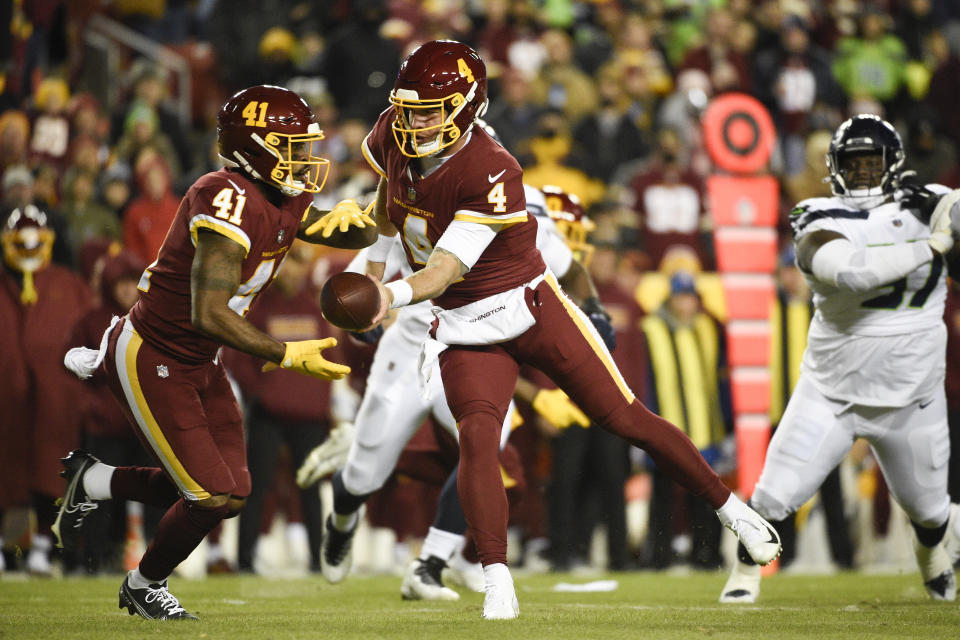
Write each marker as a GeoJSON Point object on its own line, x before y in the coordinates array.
{"type": "Point", "coordinates": [669, 200]}
{"type": "Point", "coordinates": [14, 138]}
{"type": "Point", "coordinates": [870, 64]}
{"type": "Point", "coordinates": [86, 218]}
{"type": "Point", "coordinates": [689, 385]}
{"type": "Point", "coordinates": [18, 186]}
{"type": "Point", "coordinates": [608, 137]}
{"type": "Point", "coordinates": [40, 303]}
{"type": "Point", "coordinates": [560, 84]}
{"type": "Point", "coordinates": [148, 216]}
{"type": "Point", "coordinates": [50, 126]}
{"type": "Point", "coordinates": [148, 87]}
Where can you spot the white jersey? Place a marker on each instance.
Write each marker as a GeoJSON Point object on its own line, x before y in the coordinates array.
{"type": "Point", "coordinates": [884, 347]}
{"type": "Point", "coordinates": [556, 253]}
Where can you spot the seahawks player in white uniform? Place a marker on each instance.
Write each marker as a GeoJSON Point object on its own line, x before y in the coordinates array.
{"type": "Point", "coordinates": [393, 409]}
{"type": "Point", "coordinates": [875, 359]}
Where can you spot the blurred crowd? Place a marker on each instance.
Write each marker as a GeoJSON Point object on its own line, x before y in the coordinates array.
{"type": "Point", "coordinates": [107, 115]}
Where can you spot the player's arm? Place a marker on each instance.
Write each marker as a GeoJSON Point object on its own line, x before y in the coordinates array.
{"type": "Point", "coordinates": [831, 258]}
{"type": "Point", "coordinates": [377, 254]}
{"type": "Point", "coordinates": [577, 283]}
{"type": "Point", "coordinates": [214, 279]}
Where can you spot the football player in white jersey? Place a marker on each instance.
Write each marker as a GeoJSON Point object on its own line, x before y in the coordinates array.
{"type": "Point", "coordinates": [875, 359]}
{"type": "Point", "coordinates": [393, 409]}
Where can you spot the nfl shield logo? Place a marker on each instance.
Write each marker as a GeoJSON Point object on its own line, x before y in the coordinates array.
{"type": "Point", "coordinates": [897, 222]}
{"type": "Point", "coordinates": [162, 371]}
{"type": "Point", "coordinates": [411, 194]}
{"type": "Point", "coordinates": [280, 235]}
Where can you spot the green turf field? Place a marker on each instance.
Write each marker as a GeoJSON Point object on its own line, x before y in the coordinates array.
{"type": "Point", "coordinates": [645, 605]}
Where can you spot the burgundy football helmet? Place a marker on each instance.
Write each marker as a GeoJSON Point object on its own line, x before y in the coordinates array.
{"type": "Point", "coordinates": [571, 220]}
{"type": "Point", "coordinates": [270, 133]}
{"type": "Point", "coordinates": [442, 75]}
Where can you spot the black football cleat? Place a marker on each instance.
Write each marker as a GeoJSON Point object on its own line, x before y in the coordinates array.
{"type": "Point", "coordinates": [75, 504]}
{"type": "Point", "coordinates": [155, 602]}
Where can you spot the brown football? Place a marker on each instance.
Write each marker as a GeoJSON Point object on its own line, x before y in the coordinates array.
{"type": "Point", "coordinates": [350, 300]}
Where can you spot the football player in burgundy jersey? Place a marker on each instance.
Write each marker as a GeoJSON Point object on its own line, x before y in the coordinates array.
{"type": "Point", "coordinates": [230, 235]}
{"type": "Point", "coordinates": [457, 198]}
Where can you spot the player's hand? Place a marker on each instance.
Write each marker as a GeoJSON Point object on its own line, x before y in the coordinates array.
{"type": "Point", "coordinates": [913, 194]}
{"type": "Point", "coordinates": [326, 457]}
{"type": "Point", "coordinates": [601, 321]}
{"type": "Point", "coordinates": [386, 297]}
{"type": "Point", "coordinates": [558, 409]}
{"type": "Point", "coordinates": [941, 230]}
{"type": "Point", "coordinates": [306, 357]}
{"type": "Point", "coordinates": [345, 214]}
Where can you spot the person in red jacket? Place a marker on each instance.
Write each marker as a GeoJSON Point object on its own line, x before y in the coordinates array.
{"type": "Point", "coordinates": [148, 216]}
{"type": "Point", "coordinates": [39, 304]}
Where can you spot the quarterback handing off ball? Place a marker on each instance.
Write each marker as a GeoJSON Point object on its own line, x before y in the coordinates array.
{"type": "Point", "coordinates": [350, 301]}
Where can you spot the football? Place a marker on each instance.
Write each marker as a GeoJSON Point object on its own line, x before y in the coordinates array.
{"type": "Point", "coordinates": [350, 300]}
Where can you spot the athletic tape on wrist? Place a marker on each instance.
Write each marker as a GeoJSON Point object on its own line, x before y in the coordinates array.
{"type": "Point", "coordinates": [379, 250]}
{"type": "Point", "coordinates": [402, 293]}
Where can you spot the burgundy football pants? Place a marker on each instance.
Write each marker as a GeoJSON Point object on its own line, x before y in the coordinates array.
{"type": "Point", "coordinates": [479, 382]}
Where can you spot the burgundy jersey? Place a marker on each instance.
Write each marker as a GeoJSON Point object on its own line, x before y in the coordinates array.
{"type": "Point", "coordinates": [228, 203]}
{"type": "Point", "coordinates": [480, 183]}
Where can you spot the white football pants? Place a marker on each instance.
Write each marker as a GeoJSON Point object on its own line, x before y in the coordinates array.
{"type": "Point", "coordinates": [911, 444]}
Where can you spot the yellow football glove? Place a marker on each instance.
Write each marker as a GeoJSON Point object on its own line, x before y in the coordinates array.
{"type": "Point", "coordinates": [305, 356]}
{"type": "Point", "coordinates": [344, 215]}
{"type": "Point", "coordinates": [556, 407]}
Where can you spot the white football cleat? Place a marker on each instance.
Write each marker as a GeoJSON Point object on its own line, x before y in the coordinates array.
{"type": "Point", "coordinates": [500, 601]}
{"type": "Point", "coordinates": [466, 574]}
{"type": "Point", "coordinates": [756, 534]}
{"type": "Point", "coordinates": [937, 571]}
{"type": "Point", "coordinates": [336, 551]}
{"type": "Point", "coordinates": [951, 541]}
{"type": "Point", "coordinates": [422, 581]}
{"type": "Point", "coordinates": [743, 585]}
{"type": "Point", "coordinates": [326, 457]}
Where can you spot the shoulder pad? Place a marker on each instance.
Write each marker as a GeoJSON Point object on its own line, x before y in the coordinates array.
{"type": "Point", "coordinates": [813, 209]}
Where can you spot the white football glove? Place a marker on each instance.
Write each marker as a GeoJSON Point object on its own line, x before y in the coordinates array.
{"type": "Point", "coordinates": [941, 230]}
{"type": "Point", "coordinates": [326, 457]}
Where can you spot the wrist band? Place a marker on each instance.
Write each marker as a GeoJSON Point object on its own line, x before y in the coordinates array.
{"type": "Point", "coordinates": [379, 250]}
{"type": "Point", "coordinates": [402, 293]}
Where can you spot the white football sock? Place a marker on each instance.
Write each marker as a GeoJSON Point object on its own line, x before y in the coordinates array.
{"type": "Point", "coordinates": [96, 481]}
{"type": "Point", "coordinates": [731, 509]}
{"type": "Point", "coordinates": [440, 543]}
{"type": "Point", "coordinates": [139, 581]}
{"type": "Point", "coordinates": [497, 574]}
